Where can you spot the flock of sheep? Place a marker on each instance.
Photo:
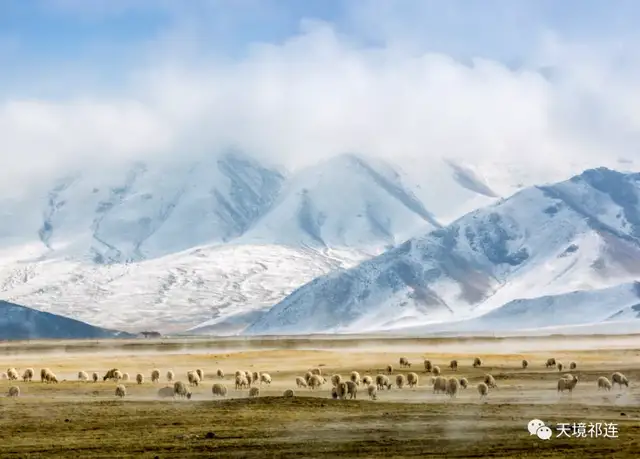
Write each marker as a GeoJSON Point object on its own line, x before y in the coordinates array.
{"type": "Point", "coordinates": [313, 379]}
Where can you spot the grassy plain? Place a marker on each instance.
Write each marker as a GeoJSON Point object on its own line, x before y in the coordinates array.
{"type": "Point", "coordinates": [85, 419]}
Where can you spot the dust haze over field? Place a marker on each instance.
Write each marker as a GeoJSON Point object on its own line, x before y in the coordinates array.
{"type": "Point", "coordinates": [86, 418]}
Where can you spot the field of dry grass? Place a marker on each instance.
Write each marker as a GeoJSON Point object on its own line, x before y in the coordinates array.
{"type": "Point", "coordinates": [85, 419]}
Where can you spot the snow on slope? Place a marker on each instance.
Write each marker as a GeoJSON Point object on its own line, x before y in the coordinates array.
{"type": "Point", "coordinates": [578, 308]}
{"type": "Point", "coordinates": [344, 202]}
{"type": "Point", "coordinates": [209, 284]}
{"type": "Point", "coordinates": [543, 240]}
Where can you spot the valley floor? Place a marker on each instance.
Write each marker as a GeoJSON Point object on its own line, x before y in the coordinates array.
{"type": "Point", "coordinates": [85, 419]}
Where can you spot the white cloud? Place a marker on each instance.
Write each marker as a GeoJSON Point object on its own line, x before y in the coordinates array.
{"type": "Point", "coordinates": [319, 94]}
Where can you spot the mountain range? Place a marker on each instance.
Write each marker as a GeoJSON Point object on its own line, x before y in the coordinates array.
{"type": "Point", "coordinates": [227, 244]}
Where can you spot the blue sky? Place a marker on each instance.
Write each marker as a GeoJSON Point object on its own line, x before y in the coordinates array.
{"type": "Point", "coordinates": [174, 74]}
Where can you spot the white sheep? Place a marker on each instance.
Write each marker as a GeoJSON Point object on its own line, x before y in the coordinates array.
{"type": "Point", "coordinates": [166, 392]}
{"type": "Point", "coordinates": [428, 366]}
{"type": "Point", "coordinates": [436, 370]}
{"type": "Point", "coordinates": [404, 362]}
{"type": "Point", "coordinates": [200, 374]}
{"type": "Point", "coordinates": [336, 379]}
{"type": "Point", "coordinates": [256, 376]}
{"type": "Point", "coordinates": [341, 390]}
{"type": "Point", "coordinates": [604, 383]}
{"type": "Point", "coordinates": [490, 381]}
{"type": "Point", "coordinates": [619, 379]}
{"type": "Point", "coordinates": [400, 381]}
{"type": "Point", "coordinates": [573, 366]}
{"type": "Point", "coordinates": [3, 375]}
{"type": "Point", "coordinates": [220, 373]}
{"type": "Point", "coordinates": [452, 387]}
{"type": "Point", "coordinates": [265, 378]}
{"type": "Point", "coordinates": [352, 389]}
{"type": "Point", "coordinates": [14, 391]}
{"type": "Point", "coordinates": [567, 384]}
{"type": "Point", "coordinates": [254, 392]}
{"type": "Point", "coordinates": [316, 371]}
{"type": "Point", "coordinates": [83, 376]}
{"type": "Point", "coordinates": [483, 390]}
{"type": "Point", "coordinates": [440, 385]}
{"type": "Point", "coordinates": [367, 380]}
{"type": "Point", "coordinates": [551, 362]}
{"type": "Point", "coordinates": [382, 381]}
{"type": "Point", "coordinates": [307, 376]}
{"type": "Point", "coordinates": [355, 377]}
{"type": "Point", "coordinates": [95, 376]}
{"type": "Point", "coordinates": [464, 383]}
{"type": "Point", "coordinates": [43, 372]}
{"type": "Point", "coordinates": [118, 375]}
{"type": "Point", "coordinates": [180, 389]}
{"type": "Point", "coordinates": [50, 377]}
{"type": "Point", "coordinates": [288, 393]}
{"type": "Point", "coordinates": [372, 392]}
{"type": "Point", "coordinates": [121, 391]}
{"type": "Point", "coordinates": [219, 389]}
{"type": "Point", "coordinates": [477, 362]}
{"type": "Point", "coordinates": [300, 382]}
{"type": "Point", "coordinates": [315, 382]}
{"type": "Point", "coordinates": [12, 374]}
{"type": "Point", "coordinates": [453, 365]}
{"type": "Point", "coordinates": [125, 376]}
{"type": "Point", "coordinates": [249, 377]}
{"type": "Point", "coordinates": [139, 378]}
{"type": "Point", "coordinates": [27, 376]}
{"type": "Point", "coordinates": [193, 378]}
{"type": "Point", "coordinates": [241, 381]}
{"type": "Point", "coordinates": [412, 379]}
{"type": "Point", "coordinates": [525, 363]}
{"type": "Point", "coordinates": [155, 376]}
{"type": "Point", "coordinates": [170, 376]}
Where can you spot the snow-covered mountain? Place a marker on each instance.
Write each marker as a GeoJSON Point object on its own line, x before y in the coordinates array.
{"type": "Point", "coordinates": [21, 323]}
{"type": "Point", "coordinates": [583, 233]}
{"type": "Point", "coordinates": [175, 245]}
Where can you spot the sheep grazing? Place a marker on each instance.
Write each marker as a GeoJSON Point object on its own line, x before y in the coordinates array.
{"type": "Point", "coordinates": [525, 363]}
{"type": "Point", "coordinates": [121, 391]}
{"type": "Point", "coordinates": [619, 379]}
{"type": "Point", "coordinates": [308, 375]}
{"type": "Point", "coordinates": [440, 385]}
{"type": "Point", "coordinates": [300, 382]}
{"type": "Point", "coordinates": [336, 379]}
{"type": "Point", "coordinates": [193, 378]}
{"type": "Point", "coordinates": [389, 369]}
{"type": "Point", "coordinates": [83, 376]}
{"type": "Point", "coordinates": [604, 383]}
{"type": "Point", "coordinates": [14, 391]}
{"type": "Point", "coordinates": [352, 389]}
{"type": "Point", "coordinates": [288, 393]}
{"type": "Point", "coordinates": [315, 382]}
{"type": "Point", "coordinates": [404, 362]}
{"type": "Point", "coordinates": [412, 379]}
{"type": "Point", "coordinates": [166, 392]}
{"type": "Point", "coordinates": [372, 392]}
{"type": "Point", "coordinates": [400, 381]}
{"type": "Point", "coordinates": [567, 384]}
{"type": "Point", "coordinates": [241, 381]}
{"type": "Point", "coordinates": [477, 362]}
{"type": "Point", "coordinates": [334, 393]}
{"type": "Point", "coordinates": [560, 366]}
{"type": "Point", "coordinates": [550, 363]}
{"type": "Point", "coordinates": [49, 377]}
{"type": "Point", "coordinates": [453, 365]}
{"type": "Point", "coordinates": [200, 374]}
{"type": "Point", "coordinates": [490, 381]}
{"type": "Point", "coordinates": [155, 376]}
{"type": "Point", "coordinates": [367, 380]}
{"type": "Point", "coordinates": [483, 389]}
{"type": "Point", "coordinates": [316, 371]}
{"type": "Point", "coordinates": [256, 376]}
{"type": "Point", "coordinates": [436, 370]}
{"type": "Point", "coordinates": [180, 389]}
{"type": "Point", "coordinates": [342, 390]}
{"type": "Point", "coordinates": [219, 389]}
{"type": "Point", "coordinates": [355, 377]}
{"type": "Point", "coordinates": [220, 373]}
{"type": "Point", "coordinates": [27, 376]}
{"type": "Point", "coordinates": [254, 392]}
{"type": "Point", "coordinates": [95, 377]}
{"type": "Point", "coordinates": [3, 375]}
{"type": "Point", "coordinates": [452, 387]}
{"type": "Point", "coordinates": [170, 376]}
{"type": "Point", "coordinates": [382, 381]}
{"type": "Point", "coordinates": [12, 374]}
{"type": "Point", "coordinates": [110, 374]}
{"type": "Point", "coordinates": [428, 366]}
{"type": "Point", "coordinates": [464, 383]}
{"type": "Point", "coordinates": [125, 376]}
{"type": "Point", "coordinates": [139, 378]}
{"type": "Point", "coordinates": [43, 372]}
{"type": "Point", "coordinates": [265, 378]}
